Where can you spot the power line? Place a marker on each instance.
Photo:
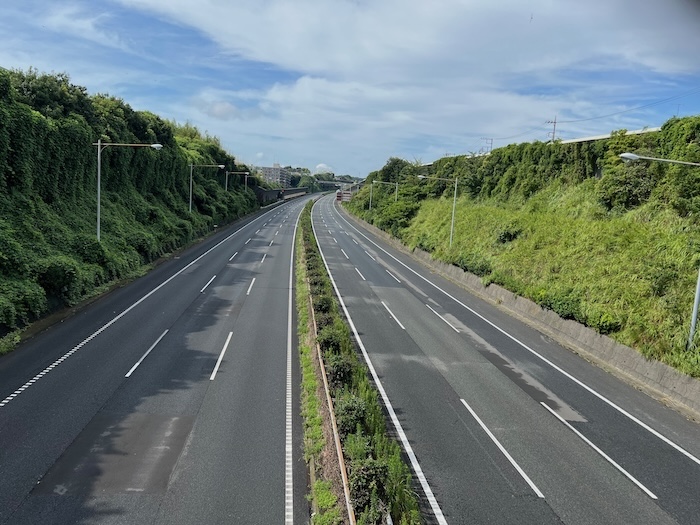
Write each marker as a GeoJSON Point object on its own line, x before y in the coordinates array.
{"type": "Point", "coordinates": [693, 92]}
{"type": "Point", "coordinates": [656, 103]}
{"type": "Point", "coordinates": [538, 128]}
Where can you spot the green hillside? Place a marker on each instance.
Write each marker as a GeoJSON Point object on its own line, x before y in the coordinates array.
{"type": "Point", "coordinates": [612, 245]}
{"type": "Point", "coordinates": [49, 254]}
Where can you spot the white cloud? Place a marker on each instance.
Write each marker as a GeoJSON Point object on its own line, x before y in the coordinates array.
{"type": "Point", "coordinates": [72, 20]}
{"type": "Point", "coordinates": [353, 82]}
{"type": "Point", "coordinates": [323, 168]}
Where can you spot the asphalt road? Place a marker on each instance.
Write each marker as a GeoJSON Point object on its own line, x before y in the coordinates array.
{"type": "Point", "coordinates": [170, 400]}
{"type": "Point", "coordinates": [501, 424]}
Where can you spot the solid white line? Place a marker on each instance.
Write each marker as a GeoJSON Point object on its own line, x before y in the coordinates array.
{"type": "Point", "coordinates": [221, 357]}
{"type": "Point", "coordinates": [441, 317]}
{"type": "Point", "coordinates": [128, 374]}
{"type": "Point", "coordinates": [205, 286]}
{"type": "Point", "coordinates": [346, 255]}
{"type": "Point", "coordinates": [263, 258]}
{"type": "Point", "coordinates": [248, 241]}
{"type": "Point", "coordinates": [363, 277]}
{"type": "Point", "coordinates": [395, 278]}
{"type": "Point", "coordinates": [607, 458]}
{"type": "Point", "coordinates": [251, 286]}
{"type": "Point", "coordinates": [288, 449]}
{"type": "Point", "coordinates": [437, 511]}
{"type": "Point", "coordinates": [503, 450]}
{"type": "Point", "coordinates": [541, 357]}
{"type": "Point", "coordinates": [392, 315]}
{"type": "Point", "coordinates": [370, 256]}
{"type": "Point", "coordinates": [231, 258]}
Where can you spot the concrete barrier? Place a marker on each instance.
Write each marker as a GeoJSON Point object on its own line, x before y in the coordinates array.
{"type": "Point", "coordinates": [657, 379]}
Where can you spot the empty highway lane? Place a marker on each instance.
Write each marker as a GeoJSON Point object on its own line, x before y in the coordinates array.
{"type": "Point", "coordinates": [502, 424]}
{"type": "Point", "coordinates": [170, 400]}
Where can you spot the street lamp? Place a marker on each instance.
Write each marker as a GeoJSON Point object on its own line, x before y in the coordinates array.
{"type": "Point", "coordinates": [390, 184]}
{"type": "Point", "coordinates": [237, 173]}
{"type": "Point", "coordinates": [633, 156]}
{"type": "Point", "coordinates": [454, 202]}
{"type": "Point", "coordinates": [696, 302]}
{"type": "Point", "coordinates": [100, 147]}
{"type": "Point", "coordinates": [192, 167]}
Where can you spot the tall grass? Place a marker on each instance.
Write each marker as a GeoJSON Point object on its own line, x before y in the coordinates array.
{"type": "Point", "coordinates": [629, 275]}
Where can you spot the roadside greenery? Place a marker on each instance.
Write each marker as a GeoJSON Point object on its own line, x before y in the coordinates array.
{"type": "Point", "coordinates": [329, 509]}
{"type": "Point", "coordinates": [612, 245]}
{"type": "Point", "coordinates": [49, 255]}
{"type": "Point", "coordinates": [380, 480]}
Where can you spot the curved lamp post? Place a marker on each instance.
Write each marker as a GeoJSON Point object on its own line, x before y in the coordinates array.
{"type": "Point", "coordinates": [454, 202]}
{"type": "Point", "coordinates": [100, 147]}
{"type": "Point", "coordinates": [192, 167]}
{"type": "Point", "coordinates": [246, 173]}
{"type": "Point", "coordinates": [633, 156]}
{"type": "Point", "coordinates": [696, 302]}
{"type": "Point", "coordinates": [390, 184]}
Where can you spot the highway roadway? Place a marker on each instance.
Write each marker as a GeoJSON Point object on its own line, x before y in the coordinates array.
{"type": "Point", "coordinates": [500, 423]}
{"type": "Point", "coordinates": [172, 400]}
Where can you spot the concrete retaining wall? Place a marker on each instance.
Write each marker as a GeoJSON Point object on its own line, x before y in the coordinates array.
{"type": "Point", "coordinates": [666, 384]}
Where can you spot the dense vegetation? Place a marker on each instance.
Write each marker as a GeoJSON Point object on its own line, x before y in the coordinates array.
{"type": "Point", "coordinates": [49, 254]}
{"type": "Point", "coordinates": [380, 481]}
{"type": "Point", "coordinates": [613, 245]}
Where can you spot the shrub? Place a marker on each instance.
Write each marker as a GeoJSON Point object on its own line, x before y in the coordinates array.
{"type": "Point", "coordinates": [603, 322]}
{"type": "Point", "coordinates": [89, 249]}
{"type": "Point", "coordinates": [323, 303]}
{"type": "Point", "coordinates": [349, 412]}
{"type": "Point", "coordinates": [508, 233]}
{"type": "Point", "coordinates": [339, 368]}
{"type": "Point", "coordinates": [356, 447]}
{"type": "Point", "coordinates": [368, 478]}
{"type": "Point", "coordinates": [324, 319]}
{"type": "Point", "coordinates": [60, 277]}
{"type": "Point", "coordinates": [330, 339]}
{"type": "Point", "coordinates": [473, 263]}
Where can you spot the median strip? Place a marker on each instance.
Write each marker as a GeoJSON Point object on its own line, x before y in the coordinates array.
{"type": "Point", "coordinates": [380, 481]}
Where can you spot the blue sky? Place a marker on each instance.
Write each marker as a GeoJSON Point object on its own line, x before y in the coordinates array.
{"type": "Point", "coordinates": [346, 84]}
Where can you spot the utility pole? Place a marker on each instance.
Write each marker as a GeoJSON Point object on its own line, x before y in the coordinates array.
{"type": "Point", "coordinates": [554, 130]}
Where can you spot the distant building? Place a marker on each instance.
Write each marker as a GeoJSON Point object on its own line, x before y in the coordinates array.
{"type": "Point", "coordinates": [276, 174]}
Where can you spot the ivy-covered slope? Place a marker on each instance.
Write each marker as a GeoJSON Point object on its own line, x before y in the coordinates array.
{"type": "Point", "coordinates": [615, 246]}
{"type": "Point", "coordinates": [49, 254]}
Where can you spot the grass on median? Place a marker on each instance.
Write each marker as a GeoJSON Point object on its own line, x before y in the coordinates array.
{"type": "Point", "coordinates": [380, 480]}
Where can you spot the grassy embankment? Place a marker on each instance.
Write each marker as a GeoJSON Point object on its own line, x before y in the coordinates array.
{"type": "Point", "coordinates": [630, 276]}
{"type": "Point", "coordinates": [614, 246]}
{"type": "Point", "coordinates": [50, 257]}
